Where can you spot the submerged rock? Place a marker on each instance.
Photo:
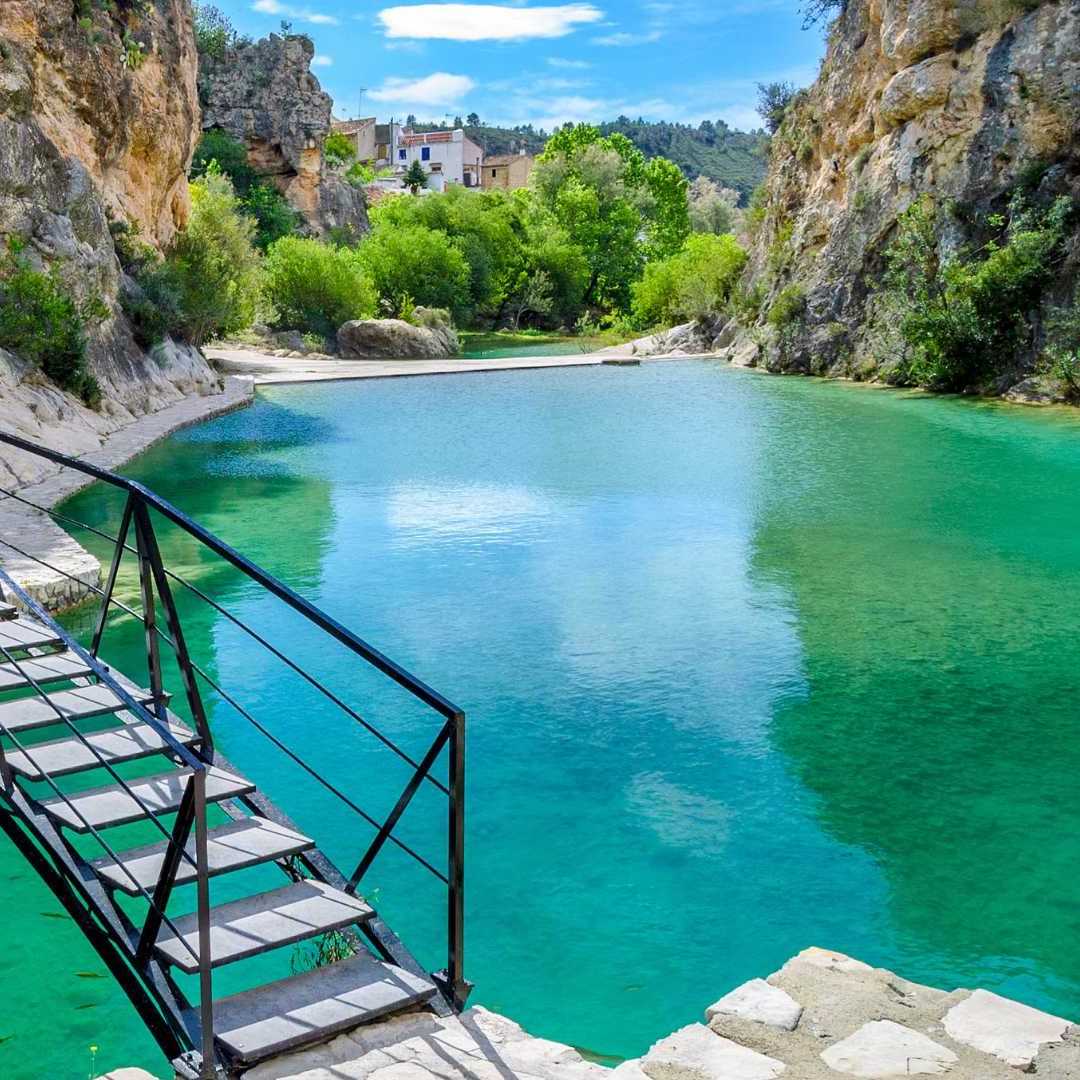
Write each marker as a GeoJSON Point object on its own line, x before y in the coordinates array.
{"type": "Point", "coordinates": [395, 339]}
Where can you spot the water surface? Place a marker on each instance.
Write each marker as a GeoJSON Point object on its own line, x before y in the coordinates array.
{"type": "Point", "coordinates": [749, 664]}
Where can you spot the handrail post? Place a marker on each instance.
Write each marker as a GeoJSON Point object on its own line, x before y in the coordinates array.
{"type": "Point", "coordinates": [145, 528]}
{"type": "Point", "coordinates": [114, 569]}
{"type": "Point", "coordinates": [146, 582]}
{"type": "Point", "coordinates": [208, 1069]}
{"type": "Point", "coordinates": [455, 966]}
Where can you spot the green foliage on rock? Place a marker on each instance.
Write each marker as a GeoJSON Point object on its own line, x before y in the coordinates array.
{"type": "Point", "coordinates": [316, 287]}
{"type": "Point", "coordinates": [787, 308]}
{"type": "Point", "coordinates": [274, 217]}
{"type": "Point", "coordinates": [214, 31]}
{"type": "Point", "coordinates": [41, 322]}
{"type": "Point", "coordinates": [695, 283]}
{"type": "Point", "coordinates": [338, 150]}
{"type": "Point", "coordinates": [966, 315]}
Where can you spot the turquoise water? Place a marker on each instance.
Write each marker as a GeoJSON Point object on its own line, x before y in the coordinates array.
{"type": "Point", "coordinates": [749, 664]}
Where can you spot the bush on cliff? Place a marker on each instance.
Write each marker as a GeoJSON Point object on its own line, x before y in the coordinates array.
{"type": "Point", "coordinates": [696, 283]}
{"type": "Point", "coordinates": [316, 287]}
{"type": "Point", "coordinates": [966, 315]}
{"type": "Point", "coordinates": [43, 324]}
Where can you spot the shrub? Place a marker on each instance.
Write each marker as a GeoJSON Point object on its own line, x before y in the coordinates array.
{"type": "Point", "coordinates": [415, 177]}
{"type": "Point", "coordinates": [42, 323]}
{"type": "Point", "coordinates": [788, 308]}
{"type": "Point", "coordinates": [316, 287]}
{"type": "Point", "coordinates": [358, 174]}
{"type": "Point", "coordinates": [418, 262]}
{"type": "Point", "coordinates": [338, 149]}
{"type": "Point", "coordinates": [965, 315]}
{"type": "Point", "coordinates": [213, 265]}
{"type": "Point", "coordinates": [1063, 346]}
{"type": "Point", "coordinates": [694, 284]}
{"type": "Point", "coordinates": [230, 155]}
{"type": "Point", "coordinates": [274, 217]}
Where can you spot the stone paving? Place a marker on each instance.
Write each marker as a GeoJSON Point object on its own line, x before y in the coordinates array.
{"type": "Point", "coordinates": [42, 539]}
{"type": "Point", "coordinates": [822, 1016]}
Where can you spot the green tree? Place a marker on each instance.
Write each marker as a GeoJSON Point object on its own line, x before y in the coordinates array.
{"type": "Point", "coordinates": [774, 100]}
{"type": "Point", "coordinates": [618, 208]}
{"type": "Point", "coordinates": [313, 286]}
{"type": "Point", "coordinates": [230, 154]}
{"type": "Point", "coordinates": [416, 265]}
{"type": "Point", "coordinates": [274, 217]}
{"type": "Point", "coordinates": [213, 263]}
{"type": "Point", "coordinates": [415, 177]}
{"type": "Point", "coordinates": [712, 208]}
{"type": "Point", "coordinates": [695, 283]}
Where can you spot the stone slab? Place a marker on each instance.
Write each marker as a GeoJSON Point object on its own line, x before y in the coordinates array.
{"type": "Point", "coordinates": [758, 1001]}
{"type": "Point", "coordinates": [696, 1053]}
{"type": "Point", "coordinates": [1007, 1029]}
{"type": "Point", "coordinates": [883, 1048]}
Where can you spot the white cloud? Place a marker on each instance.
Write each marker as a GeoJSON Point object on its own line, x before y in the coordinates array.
{"type": "Point", "coordinates": [562, 62]}
{"type": "Point", "coordinates": [275, 7]}
{"type": "Point", "coordinates": [484, 22]}
{"type": "Point", "coordinates": [320, 60]}
{"type": "Point", "coordinates": [621, 38]}
{"type": "Point", "coordinates": [439, 88]}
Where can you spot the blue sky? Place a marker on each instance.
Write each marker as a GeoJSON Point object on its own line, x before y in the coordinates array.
{"type": "Point", "coordinates": [547, 62]}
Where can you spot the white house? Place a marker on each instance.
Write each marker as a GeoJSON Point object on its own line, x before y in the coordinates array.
{"type": "Point", "coordinates": [448, 157]}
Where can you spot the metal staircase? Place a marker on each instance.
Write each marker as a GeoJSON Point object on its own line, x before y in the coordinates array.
{"type": "Point", "coordinates": [70, 729]}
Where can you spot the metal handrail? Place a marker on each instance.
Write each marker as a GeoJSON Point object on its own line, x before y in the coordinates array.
{"type": "Point", "coordinates": [154, 576]}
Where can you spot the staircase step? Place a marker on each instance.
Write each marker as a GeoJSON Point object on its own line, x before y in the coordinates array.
{"type": "Point", "coordinates": [36, 712]}
{"type": "Point", "coordinates": [112, 805]}
{"type": "Point", "coordinates": [125, 743]}
{"type": "Point", "coordinates": [313, 1006]}
{"type": "Point", "coordinates": [234, 846]}
{"type": "Point", "coordinates": [26, 633]}
{"type": "Point", "coordinates": [263, 922]}
{"type": "Point", "coordinates": [42, 669]}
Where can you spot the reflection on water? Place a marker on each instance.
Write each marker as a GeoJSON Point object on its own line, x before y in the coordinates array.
{"type": "Point", "coordinates": [749, 664]}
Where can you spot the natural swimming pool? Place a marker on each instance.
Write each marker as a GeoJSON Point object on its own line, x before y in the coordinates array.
{"type": "Point", "coordinates": [749, 664]}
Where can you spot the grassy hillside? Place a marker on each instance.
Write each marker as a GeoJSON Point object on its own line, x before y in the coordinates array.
{"type": "Point", "coordinates": [734, 159]}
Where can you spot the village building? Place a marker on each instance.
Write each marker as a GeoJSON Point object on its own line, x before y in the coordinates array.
{"type": "Point", "coordinates": [508, 171]}
{"type": "Point", "coordinates": [448, 157]}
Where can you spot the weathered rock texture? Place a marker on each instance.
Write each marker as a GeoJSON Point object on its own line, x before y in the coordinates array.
{"type": "Point", "coordinates": [376, 339]}
{"type": "Point", "coordinates": [82, 135]}
{"type": "Point", "coordinates": [264, 94]}
{"type": "Point", "coordinates": [962, 100]}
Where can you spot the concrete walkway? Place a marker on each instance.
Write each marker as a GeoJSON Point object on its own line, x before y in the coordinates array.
{"type": "Point", "coordinates": [76, 570]}
{"type": "Point", "coordinates": [266, 369]}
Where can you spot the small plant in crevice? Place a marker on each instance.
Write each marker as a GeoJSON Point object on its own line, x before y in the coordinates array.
{"type": "Point", "coordinates": [323, 951]}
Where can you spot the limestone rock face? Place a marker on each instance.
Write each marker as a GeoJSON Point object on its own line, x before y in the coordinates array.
{"type": "Point", "coordinates": [264, 94]}
{"type": "Point", "coordinates": [960, 100]}
{"type": "Point", "coordinates": [85, 133]}
{"type": "Point", "coordinates": [381, 339]}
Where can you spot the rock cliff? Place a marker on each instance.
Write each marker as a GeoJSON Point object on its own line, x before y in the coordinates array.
{"type": "Point", "coordinates": [264, 94]}
{"type": "Point", "coordinates": [98, 117]}
{"type": "Point", "coordinates": [964, 101]}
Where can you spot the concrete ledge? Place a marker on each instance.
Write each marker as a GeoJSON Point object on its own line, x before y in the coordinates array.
{"type": "Point", "coordinates": [72, 572]}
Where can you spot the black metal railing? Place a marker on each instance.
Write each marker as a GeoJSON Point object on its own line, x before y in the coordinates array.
{"type": "Point", "coordinates": [155, 581]}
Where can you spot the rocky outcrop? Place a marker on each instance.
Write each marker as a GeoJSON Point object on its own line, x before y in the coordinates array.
{"type": "Point", "coordinates": [381, 339]}
{"type": "Point", "coordinates": [98, 119]}
{"type": "Point", "coordinates": [264, 94]}
{"type": "Point", "coordinates": [958, 100]}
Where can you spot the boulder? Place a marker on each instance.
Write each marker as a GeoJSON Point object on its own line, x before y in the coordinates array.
{"type": "Point", "coordinates": [395, 339]}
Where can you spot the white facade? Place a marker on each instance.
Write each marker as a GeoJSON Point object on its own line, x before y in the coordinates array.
{"type": "Point", "coordinates": [448, 157]}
